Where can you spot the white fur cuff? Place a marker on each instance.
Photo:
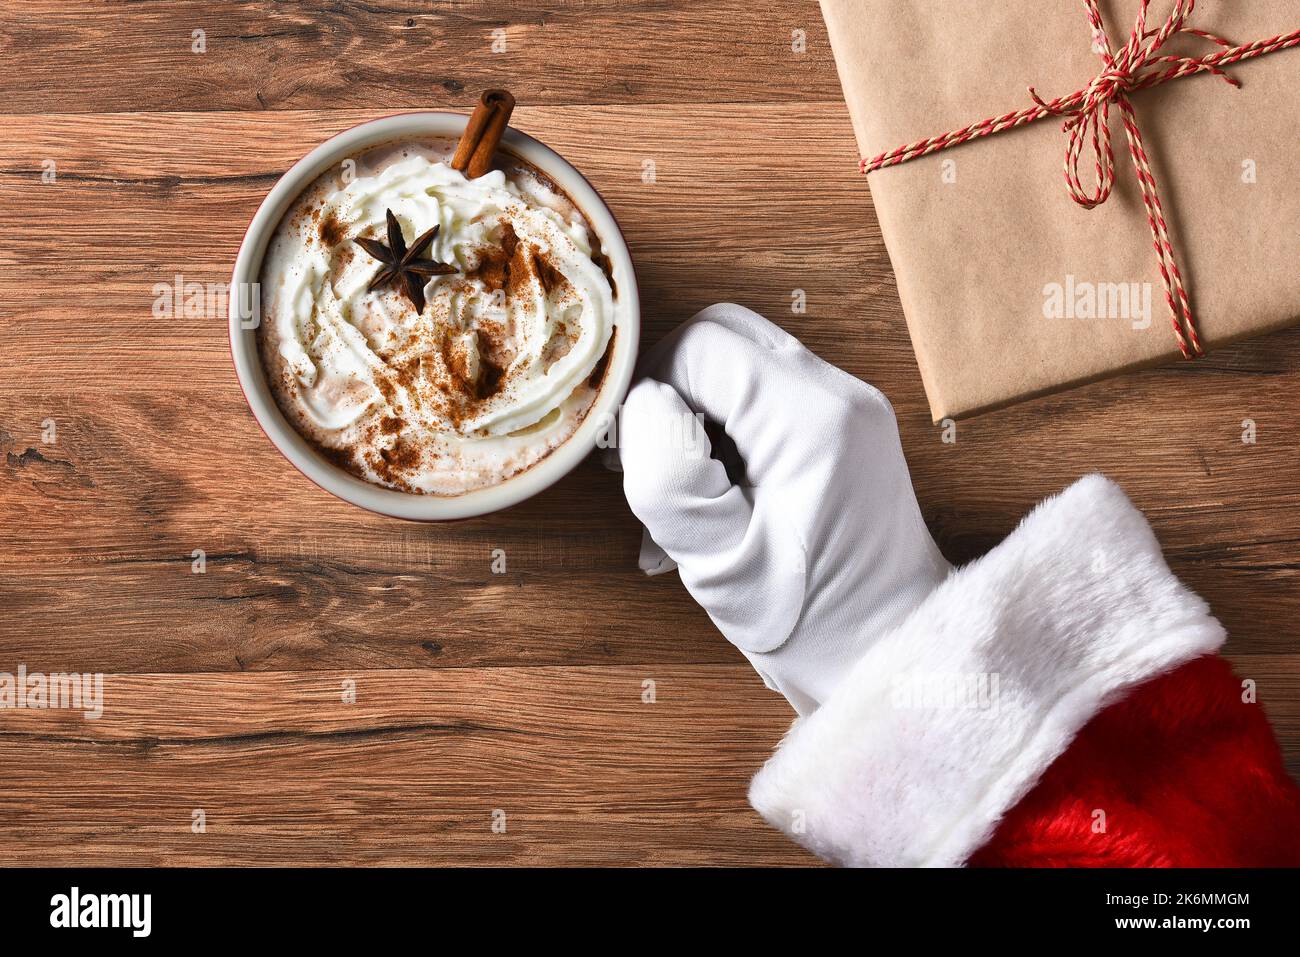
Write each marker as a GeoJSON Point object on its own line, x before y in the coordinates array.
{"type": "Point", "coordinates": [952, 717]}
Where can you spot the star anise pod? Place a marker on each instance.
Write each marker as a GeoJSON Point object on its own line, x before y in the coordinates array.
{"type": "Point", "coordinates": [403, 264]}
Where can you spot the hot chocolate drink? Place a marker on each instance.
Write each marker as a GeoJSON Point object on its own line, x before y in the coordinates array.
{"type": "Point", "coordinates": [430, 332]}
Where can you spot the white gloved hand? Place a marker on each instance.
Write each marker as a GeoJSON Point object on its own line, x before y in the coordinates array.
{"type": "Point", "coordinates": [822, 548]}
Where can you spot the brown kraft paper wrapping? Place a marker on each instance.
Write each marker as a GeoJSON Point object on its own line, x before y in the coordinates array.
{"type": "Point", "coordinates": [984, 238]}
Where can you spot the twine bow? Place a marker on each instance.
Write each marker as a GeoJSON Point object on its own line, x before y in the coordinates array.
{"type": "Point", "coordinates": [1138, 66]}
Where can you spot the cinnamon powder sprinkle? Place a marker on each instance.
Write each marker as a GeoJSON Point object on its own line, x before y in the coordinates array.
{"type": "Point", "coordinates": [550, 277]}
{"type": "Point", "coordinates": [495, 265]}
{"type": "Point", "coordinates": [330, 230]}
{"type": "Point", "coordinates": [392, 465]}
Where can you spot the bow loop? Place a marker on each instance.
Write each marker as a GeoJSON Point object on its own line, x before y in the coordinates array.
{"type": "Point", "coordinates": [1087, 112]}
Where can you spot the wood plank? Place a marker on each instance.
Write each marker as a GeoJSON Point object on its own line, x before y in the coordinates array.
{"type": "Point", "coordinates": [258, 614]}
{"type": "Point", "coordinates": [119, 55]}
{"type": "Point", "coordinates": [585, 769]}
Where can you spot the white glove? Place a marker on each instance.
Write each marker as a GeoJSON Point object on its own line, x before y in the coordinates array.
{"type": "Point", "coordinates": [822, 548]}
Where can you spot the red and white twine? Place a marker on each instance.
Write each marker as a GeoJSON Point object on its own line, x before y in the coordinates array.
{"type": "Point", "coordinates": [1138, 66]}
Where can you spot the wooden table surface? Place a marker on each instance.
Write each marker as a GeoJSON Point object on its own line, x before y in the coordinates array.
{"type": "Point", "coordinates": [128, 157]}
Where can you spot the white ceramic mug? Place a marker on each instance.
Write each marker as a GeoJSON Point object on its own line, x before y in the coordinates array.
{"type": "Point", "coordinates": [248, 365]}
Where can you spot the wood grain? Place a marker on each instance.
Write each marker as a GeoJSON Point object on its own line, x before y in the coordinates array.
{"type": "Point", "coordinates": [583, 767]}
{"type": "Point", "coordinates": [406, 54]}
{"type": "Point", "coordinates": [521, 688]}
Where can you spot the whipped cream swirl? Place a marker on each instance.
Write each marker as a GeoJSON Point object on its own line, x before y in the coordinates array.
{"type": "Point", "coordinates": [494, 373]}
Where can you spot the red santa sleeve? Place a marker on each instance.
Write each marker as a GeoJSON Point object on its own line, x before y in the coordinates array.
{"type": "Point", "coordinates": [1045, 705]}
{"type": "Point", "coordinates": [1183, 772]}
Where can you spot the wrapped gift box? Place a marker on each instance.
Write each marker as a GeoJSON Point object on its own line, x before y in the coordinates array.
{"type": "Point", "coordinates": [1010, 288]}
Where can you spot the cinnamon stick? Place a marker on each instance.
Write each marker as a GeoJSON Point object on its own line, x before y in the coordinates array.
{"type": "Point", "coordinates": [483, 133]}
